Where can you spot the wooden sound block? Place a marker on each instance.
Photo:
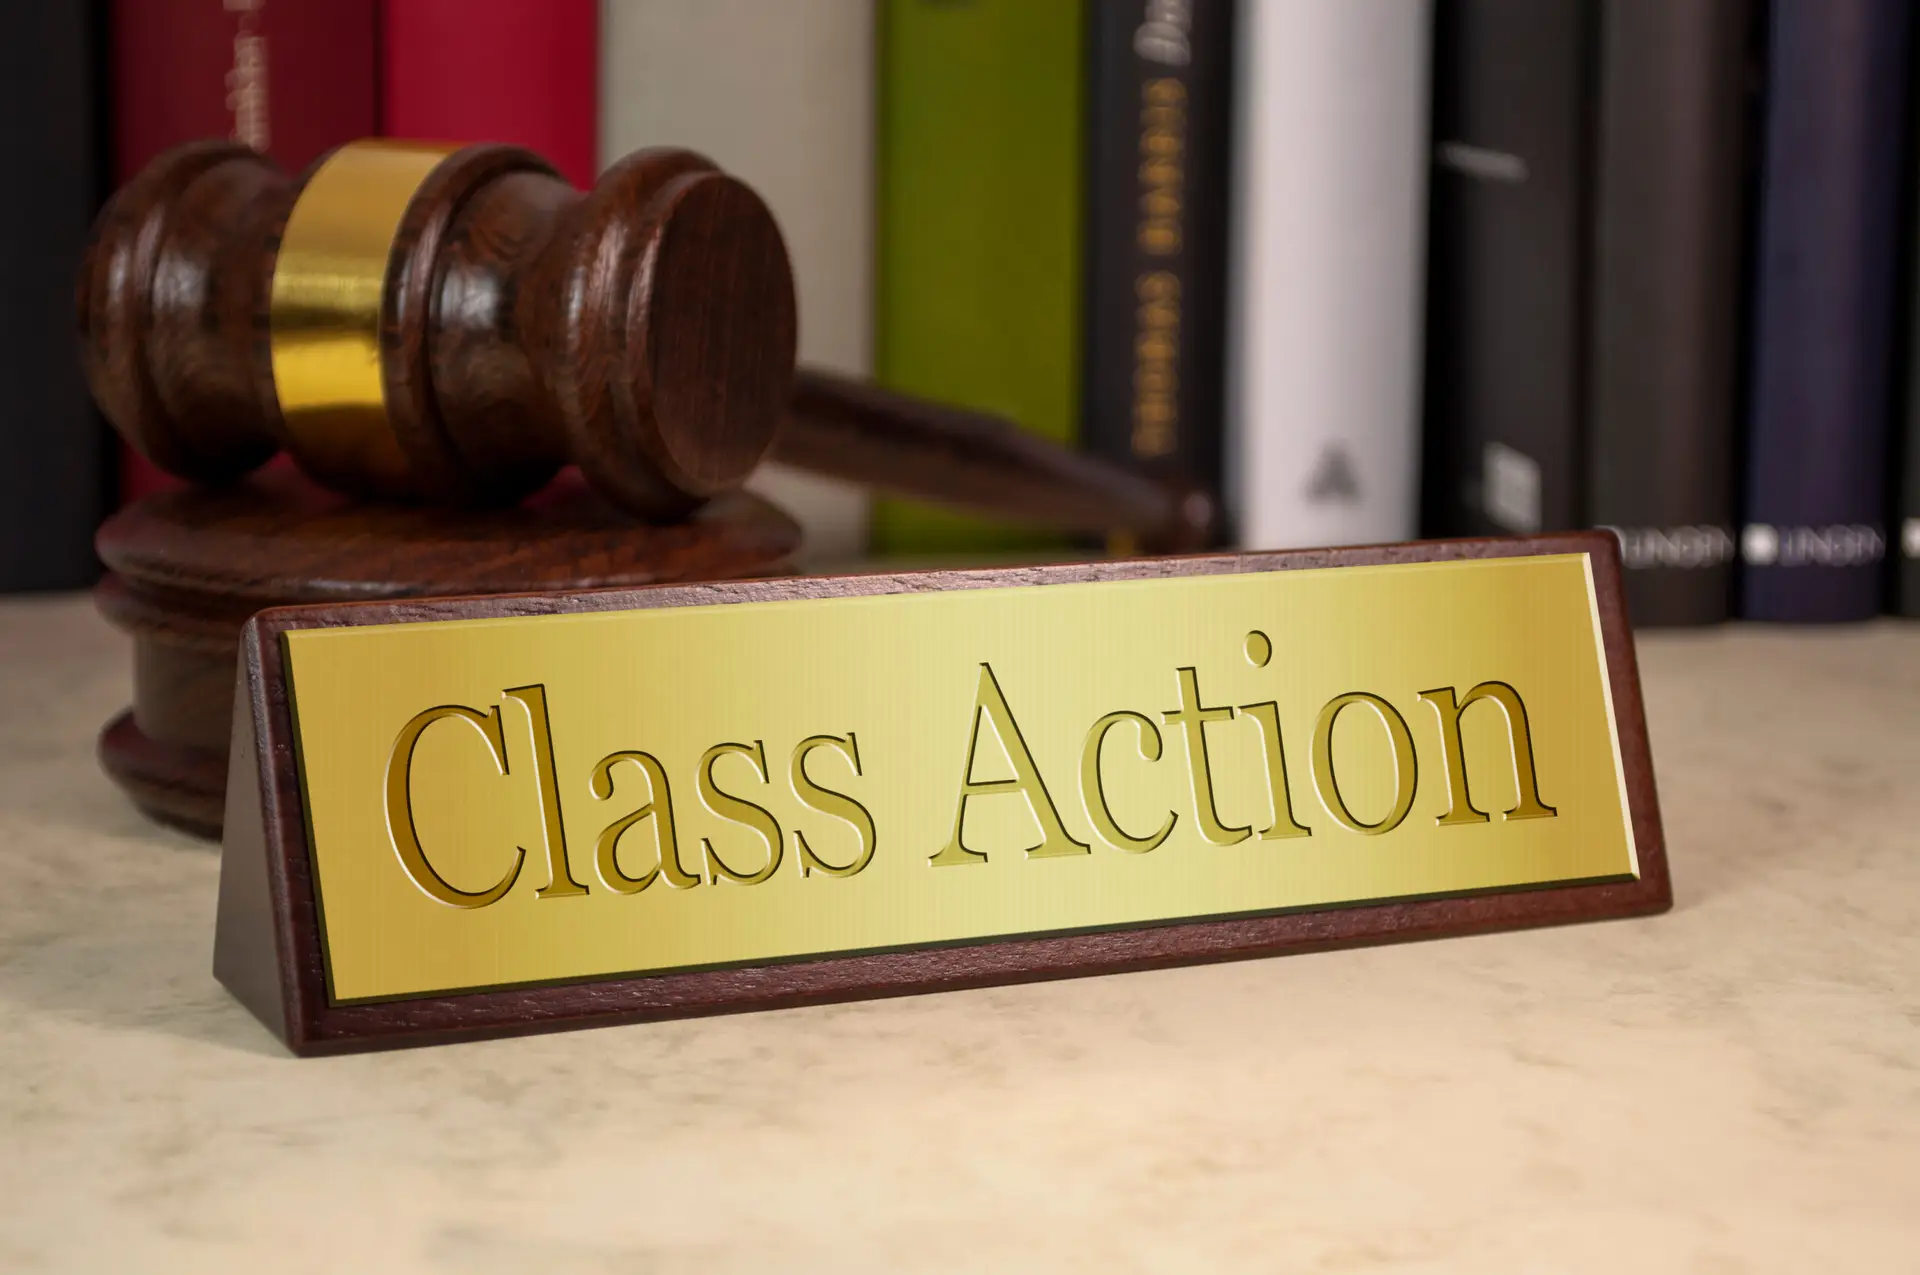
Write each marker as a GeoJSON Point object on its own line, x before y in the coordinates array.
{"type": "Point", "coordinates": [189, 568]}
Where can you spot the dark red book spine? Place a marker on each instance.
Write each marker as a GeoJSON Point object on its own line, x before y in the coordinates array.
{"type": "Point", "coordinates": [518, 71]}
{"type": "Point", "coordinates": [292, 77]}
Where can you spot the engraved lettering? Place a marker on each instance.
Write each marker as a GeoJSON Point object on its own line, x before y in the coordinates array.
{"type": "Point", "coordinates": [1284, 825]}
{"type": "Point", "coordinates": [1460, 809]}
{"type": "Point", "coordinates": [829, 802]}
{"type": "Point", "coordinates": [741, 811]}
{"type": "Point", "coordinates": [560, 883]}
{"type": "Point", "coordinates": [1093, 793]}
{"type": "Point", "coordinates": [990, 704]}
{"type": "Point", "coordinates": [1193, 717]}
{"type": "Point", "coordinates": [1405, 773]}
{"type": "Point", "coordinates": [659, 808]}
{"type": "Point", "coordinates": [399, 800]}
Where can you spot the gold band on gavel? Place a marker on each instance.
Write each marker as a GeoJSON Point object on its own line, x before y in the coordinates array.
{"type": "Point", "coordinates": [325, 311]}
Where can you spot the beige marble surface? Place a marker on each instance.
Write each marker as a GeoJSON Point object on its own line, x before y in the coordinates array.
{"type": "Point", "coordinates": [1732, 1087]}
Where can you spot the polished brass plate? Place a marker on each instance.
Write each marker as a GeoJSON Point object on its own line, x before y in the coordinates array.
{"type": "Point", "coordinates": [558, 798]}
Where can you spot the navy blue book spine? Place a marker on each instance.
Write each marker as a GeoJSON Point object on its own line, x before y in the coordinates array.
{"type": "Point", "coordinates": [1825, 291]}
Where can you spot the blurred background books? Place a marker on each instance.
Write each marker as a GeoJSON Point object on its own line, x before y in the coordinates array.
{"type": "Point", "coordinates": [1364, 269]}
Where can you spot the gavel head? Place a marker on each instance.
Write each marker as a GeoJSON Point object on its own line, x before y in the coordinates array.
{"type": "Point", "coordinates": [430, 323]}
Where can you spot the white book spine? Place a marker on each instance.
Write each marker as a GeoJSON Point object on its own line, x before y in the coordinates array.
{"type": "Point", "coordinates": [1328, 274]}
{"type": "Point", "coordinates": [780, 94]}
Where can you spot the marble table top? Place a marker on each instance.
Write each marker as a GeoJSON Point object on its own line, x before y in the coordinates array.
{"type": "Point", "coordinates": [1733, 1087]}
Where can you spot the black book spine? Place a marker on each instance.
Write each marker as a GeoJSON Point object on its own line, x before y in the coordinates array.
{"type": "Point", "coordinates": [1906, 528]}
{"type": "Point", "coordinates": [53, 453]}
{"type": "Point", "coordinates": [1160, 110]}
{"type": "Point", "coordinates": [1507, 266]}
{"type": "Point", "coordinates": [1826, 265]}
{"type": "Point", "coordinates": [1670, 181]}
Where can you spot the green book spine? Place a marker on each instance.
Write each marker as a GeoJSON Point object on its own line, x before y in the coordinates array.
{"type": "Point", "coordinates": [981, 155]}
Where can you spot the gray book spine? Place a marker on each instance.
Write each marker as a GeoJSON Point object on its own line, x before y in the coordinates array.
{"type": "Point", "coordinates": [1670, 181]}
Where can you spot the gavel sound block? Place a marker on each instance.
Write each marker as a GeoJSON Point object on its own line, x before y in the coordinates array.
{"type": "Point", "coordinates": [432, 334]}
{"type": "Point", "coordinates": [188, 568]}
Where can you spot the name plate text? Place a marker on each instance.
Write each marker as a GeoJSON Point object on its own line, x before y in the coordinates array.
{"type": "Point", "coordinates": [699, 797]}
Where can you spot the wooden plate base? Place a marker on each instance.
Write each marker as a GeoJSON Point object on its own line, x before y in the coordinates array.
{"type": "Point", "coordinates": [189, 567]}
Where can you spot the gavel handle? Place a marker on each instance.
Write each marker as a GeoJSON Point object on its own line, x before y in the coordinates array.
{"type": "Point", "coordinates": [908, 446]}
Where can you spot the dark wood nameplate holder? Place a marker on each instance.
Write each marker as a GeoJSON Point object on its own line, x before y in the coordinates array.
{"type": "Point", "coordinates": [1555, 820]}
{"type": "Point", "coordinates": [189, 568]}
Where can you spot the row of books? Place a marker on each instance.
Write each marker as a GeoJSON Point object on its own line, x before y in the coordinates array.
{"type": "Point", "coordinates": [1380, 268]}
{"type": "Point", "coordinates": [1369, 269]}
{"type": "Point", "coordinates": [1666, 295]}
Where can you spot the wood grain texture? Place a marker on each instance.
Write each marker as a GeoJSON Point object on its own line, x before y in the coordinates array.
{"type": "Point", "coordinates": [189, 567]}
{"type": "Point", "coordinates": [180, 786]}
{"type": "Point", "coordinates": [644, 331]}
{"type": "Point", "coordinates": [436, 252]}
{"type": "Point", "coordinates": [911, 447]}
{"type": "Point", "coordinates": [267, 853]}
{"type": "Point", "coordinates": [169, 301]}
{"type": "Point", "coordinates": [663, 316]}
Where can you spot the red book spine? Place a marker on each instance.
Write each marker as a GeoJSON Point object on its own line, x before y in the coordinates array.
{"type": "Point", "coordinates": [294, 78]}
{"type": "Point", "coordinates": [518, 71]}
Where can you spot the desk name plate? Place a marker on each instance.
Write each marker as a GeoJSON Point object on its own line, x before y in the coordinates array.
{"type": "Point", "coordinates": [483, 816]}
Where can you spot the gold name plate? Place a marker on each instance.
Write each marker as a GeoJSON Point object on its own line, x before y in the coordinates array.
{"type": "Point", "coordinates": [490, 815]}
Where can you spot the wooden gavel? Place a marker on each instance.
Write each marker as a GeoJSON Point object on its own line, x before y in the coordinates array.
{"type": "Point", "coordinates": [448, 325]}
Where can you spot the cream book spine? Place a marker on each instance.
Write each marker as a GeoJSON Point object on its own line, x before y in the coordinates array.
{"type": "Point", "coordinates": [1326, 285]}
{"type": "Point", "coordinates": [780, 93]}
